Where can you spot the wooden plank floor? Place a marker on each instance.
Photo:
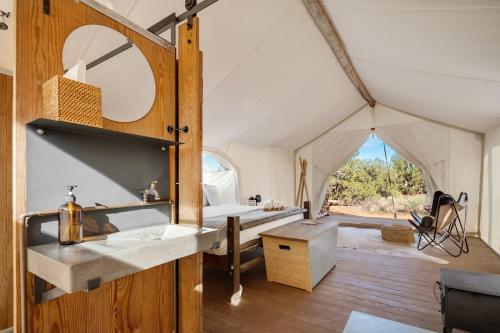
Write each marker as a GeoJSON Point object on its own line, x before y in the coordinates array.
{"type": "Point", "coordinates": [391, 287]}
{"type": "Point", "coordinates": [348, 220]}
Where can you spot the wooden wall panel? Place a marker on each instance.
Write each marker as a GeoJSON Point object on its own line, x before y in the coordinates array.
{"type": "Point", "coordinates": [52, 32]}
{"type": "Point", "coordinates": [191, 294]}
{"type": "Point", "coordinates": [163, 64]}
{"type": "Point", "coordinates": [190, 171]}
{"type": "Point", "coordinates": [6, 290]}
{"type": "Point", "coordinates": [190, 114]}
{"type": "Point", "coordinates": [140, 302]}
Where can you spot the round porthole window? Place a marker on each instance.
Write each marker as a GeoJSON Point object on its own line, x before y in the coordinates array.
{"type": "Point", "coordinates": [114, 64]}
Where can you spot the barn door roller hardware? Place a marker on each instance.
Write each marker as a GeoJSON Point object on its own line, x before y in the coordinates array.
{"type": "Point", "coordinates": [169, 22]}
{"type": "Point", "coordinates": [189, 4]}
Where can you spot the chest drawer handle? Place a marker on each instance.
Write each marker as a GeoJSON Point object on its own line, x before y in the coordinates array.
{"type": "Point", "coordinates": [284, 247]}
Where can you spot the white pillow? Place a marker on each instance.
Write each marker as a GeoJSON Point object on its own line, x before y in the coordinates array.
{"type": "Point", "coordinates": [205, 201]}
{"type": "Point", "coordinates": [211, 194]}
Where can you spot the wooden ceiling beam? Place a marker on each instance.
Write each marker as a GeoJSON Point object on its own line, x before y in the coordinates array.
{"type": "Point", "coordinates": [327, 28]}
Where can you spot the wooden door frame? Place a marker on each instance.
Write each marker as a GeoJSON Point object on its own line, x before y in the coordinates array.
{"type": "Point", "coordinates": [190, 195]}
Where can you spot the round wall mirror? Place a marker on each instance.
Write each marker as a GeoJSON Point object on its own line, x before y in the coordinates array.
{"type": "Point", "coordinates": [105, 58]}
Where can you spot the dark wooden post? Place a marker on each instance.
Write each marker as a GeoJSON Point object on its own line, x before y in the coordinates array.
{"type": "Point", "coordinates": [307, 215]}
{"type": "Point", "coordinates": [233, 254]}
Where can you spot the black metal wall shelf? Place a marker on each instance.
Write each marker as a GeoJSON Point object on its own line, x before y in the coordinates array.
{"type": "Point", "coordinates": [62, 126]}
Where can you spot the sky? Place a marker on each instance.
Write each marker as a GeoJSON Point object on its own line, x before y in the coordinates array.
{"type": "Point", "coordinates": [373, 148]}
{"type": "Point", "coordinates": [210, 164]}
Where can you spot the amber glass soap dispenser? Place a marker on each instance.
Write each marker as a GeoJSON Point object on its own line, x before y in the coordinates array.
{"type": "Point", "coordinates": [70, 220]}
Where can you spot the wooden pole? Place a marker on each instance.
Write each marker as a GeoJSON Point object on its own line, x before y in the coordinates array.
{"type": "Point", "coordinates": [301, 179]}
{"type": "Point", "coordinates": [327, 28]}
{"type": "Point", "coordinates": [302, 176]}
{"type": "Point", "coordinates": [299, 199]}
{"type": "Point", "coordinates": [305, 183]}
{"type": "Point", "coordinates": [6, 278]}
{"type": "Point", "coordinates": [190, 94]}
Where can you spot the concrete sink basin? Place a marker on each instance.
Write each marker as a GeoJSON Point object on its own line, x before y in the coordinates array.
{"type": "Point", "coordinates": [72, 267]}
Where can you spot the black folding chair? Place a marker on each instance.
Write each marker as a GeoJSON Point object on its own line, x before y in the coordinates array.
{"type": "Point", "coordinates": [444, 223]}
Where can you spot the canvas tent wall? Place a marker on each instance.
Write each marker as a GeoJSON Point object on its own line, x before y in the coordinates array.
{"type": "Point", "coordinates": [450, 158]}
{"type": "Point", "coordinates": [490, 204]}
{"type": "Point", "coordinates": [266, 171]}
{"type": "Point", "coordinates": [8, 39]}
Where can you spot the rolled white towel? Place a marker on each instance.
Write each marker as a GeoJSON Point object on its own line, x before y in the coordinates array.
{"type": "Point", "coordinates": [78, 72]}
{"type": "Point", "coordinates": [277, 204]}
{"type": "Point", "coordinates": [268, 205]}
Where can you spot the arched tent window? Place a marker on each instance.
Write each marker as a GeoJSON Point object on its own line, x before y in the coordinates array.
{"type": "Point", "coordinates": [377, 180]}
{"type": "Point", "coordinates": [219, 172]}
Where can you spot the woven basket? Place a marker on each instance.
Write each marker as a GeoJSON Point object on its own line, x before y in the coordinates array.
{"type": "Point", "coordinates": [398, 233]}
{"type": "Point", "coordinates": [72, 101]}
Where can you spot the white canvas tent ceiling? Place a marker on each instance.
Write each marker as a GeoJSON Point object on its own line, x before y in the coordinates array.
{"type": "Point", "coordinates": [266, 65]}
{"type": "Point", "coordinates": [272, 80]}
{"type": "Point", "coordinates": [434, 59]}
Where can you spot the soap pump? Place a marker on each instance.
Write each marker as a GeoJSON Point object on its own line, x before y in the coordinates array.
{"type": "Point", "coordinates": [70, 220]}
{"type": "Point", "coordinates": [152, 193]}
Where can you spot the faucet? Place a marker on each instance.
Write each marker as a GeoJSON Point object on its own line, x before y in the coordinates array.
{"type": "Point", "coordinates": [152, 191]}
{"type": "Point", "coordinates": [171, 203]}
{"type": "Point", "coordinates": [150, 194]}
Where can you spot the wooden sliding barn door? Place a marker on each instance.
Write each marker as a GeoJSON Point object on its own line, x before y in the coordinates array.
{"type": "Point", "coordinates": [6, 279]}
{"type": "Point", "coordinates": [142, 302]}
{"type": "Point", "coordinates": [190, 171]}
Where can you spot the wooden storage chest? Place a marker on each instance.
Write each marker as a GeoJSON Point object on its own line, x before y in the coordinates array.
{"type": "Point", "coordinates": [299, 254]}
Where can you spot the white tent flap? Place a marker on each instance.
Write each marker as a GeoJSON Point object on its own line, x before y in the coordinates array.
{"type": "Point", "coordinates": [450, 158]}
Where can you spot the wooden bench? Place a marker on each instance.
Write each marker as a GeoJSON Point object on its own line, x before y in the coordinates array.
{"type": "Point", "coordinates": [300, 253]}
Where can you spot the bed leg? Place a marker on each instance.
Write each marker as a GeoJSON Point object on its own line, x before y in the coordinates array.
{"type": "Point", "coordinates": [307, 205]}
{"type": "Point", "coordinates": [233, 258]}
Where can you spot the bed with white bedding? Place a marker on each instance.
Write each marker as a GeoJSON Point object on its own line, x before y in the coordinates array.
{"type": "Point", "coordinates": [253, 220]}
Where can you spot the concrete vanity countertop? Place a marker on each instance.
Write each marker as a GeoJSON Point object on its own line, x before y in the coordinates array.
{"type": "Point", "coordinates": [71, 267]}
